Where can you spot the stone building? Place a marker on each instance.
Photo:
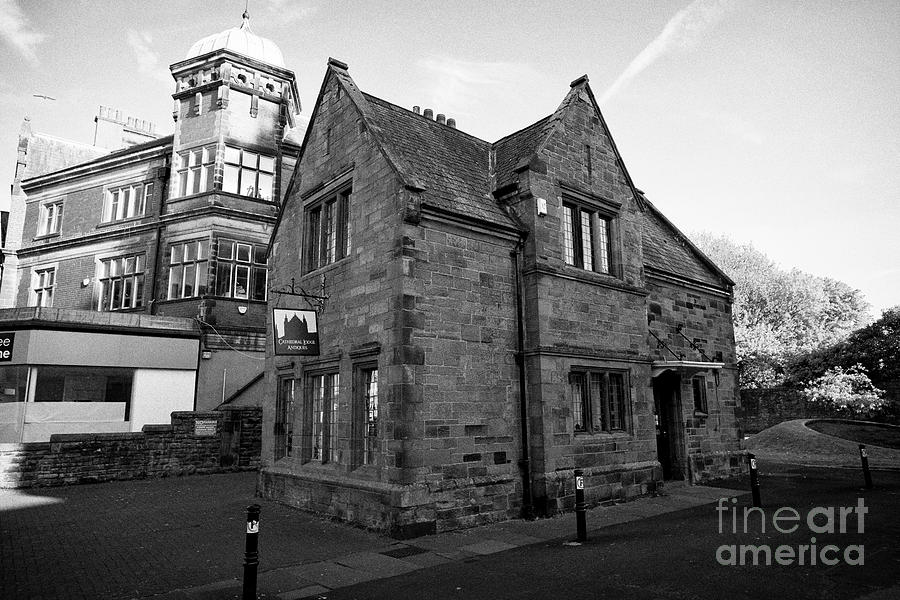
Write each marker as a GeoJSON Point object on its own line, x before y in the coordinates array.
{"type": "Point", "coordinates": [171, 226]}
{"type": "Point", "coordinates": [490, 317]}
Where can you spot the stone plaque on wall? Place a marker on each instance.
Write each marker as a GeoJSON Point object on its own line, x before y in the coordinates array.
{"type": "Point", "coordinates": [205, 427]}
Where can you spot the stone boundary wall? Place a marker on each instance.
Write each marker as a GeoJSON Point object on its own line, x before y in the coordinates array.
{"type": "Point", "coordinates": [183, 447]}
{"type": "Point", "coordinates": [761, 409]}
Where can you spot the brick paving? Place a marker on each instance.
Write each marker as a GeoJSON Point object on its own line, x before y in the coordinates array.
{"type": "Point", "coordinates": [136, 539]}
{"type": "Point", "coordinates": [183, 539]}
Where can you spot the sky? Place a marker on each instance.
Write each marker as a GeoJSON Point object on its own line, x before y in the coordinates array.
{"type": "Point", "coordinates": [773, 123]}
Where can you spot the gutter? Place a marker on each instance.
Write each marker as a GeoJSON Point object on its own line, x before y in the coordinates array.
{"type": "Point", "coordinates": [524, 462]}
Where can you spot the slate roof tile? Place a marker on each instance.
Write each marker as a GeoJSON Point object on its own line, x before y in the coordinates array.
{"type": "Point", "coordinates": [453, 166]}
{"type": "Point", "coordinates": [664, 250]}
{"type": "Point", "coordinates": [516, 147]}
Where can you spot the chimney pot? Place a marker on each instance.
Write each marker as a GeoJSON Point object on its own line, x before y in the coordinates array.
{"type": "Point", "coordinates": [441, 118]}
{"type": "Point", "coordinates": [416, 109]}
{"type": "Point", "coordinates": [451, 123]}
{"type": "Point", "coordinates": [428, 114]}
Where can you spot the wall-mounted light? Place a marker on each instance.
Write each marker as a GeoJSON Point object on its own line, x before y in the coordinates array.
{"type": "Point", "coordinates": [542, 206]}
{"type": "Point", "coordinates": [207, 354]}
{"type": "Point", "coordinates": [242, 310]}
{"type": "Point", "coordinates": [86, 282]}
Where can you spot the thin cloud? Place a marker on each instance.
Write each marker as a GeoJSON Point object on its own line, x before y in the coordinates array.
{"type": "Point", "coordinates": [460, 85]}
{"type": "Point", "coordinates": [17, 31]}
{"type": "Point", "coordinates": [288, 11]}
{"type": "Point", "coordinates": [683, 32]}
{"type": "Point", "coordinates": [148, 61]}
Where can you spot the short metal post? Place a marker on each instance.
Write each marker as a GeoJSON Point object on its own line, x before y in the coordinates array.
{"type": "Point", "coordinates": [251, 553]}
{"type": "Point", "coordinates": [579, 506]}
{"type": "Point", "coordinates": [754, 480]}
{"type": "Point", "coordinates": [864, 456]}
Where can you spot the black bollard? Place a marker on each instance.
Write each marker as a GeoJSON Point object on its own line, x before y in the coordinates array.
{"type": "Point", "coordinates": [754, 480]}
{"type": "Point", "coordinates": [579, 506]}
{"type": "Point", "coordinates": [864, 456]}
{"type": "Point", "coordinates": [251, 553]}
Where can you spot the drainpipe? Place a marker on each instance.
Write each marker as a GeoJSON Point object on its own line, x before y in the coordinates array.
{"type": "Point", "coordinates": [525, 462]}
{"type": "Point", "coordinates": [164, 194]}
{"type": "Point", "coordinates": [156, 261]}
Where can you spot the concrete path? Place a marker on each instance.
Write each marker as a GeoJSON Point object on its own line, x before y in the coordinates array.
{"type": "Point", "coordinates": [793, 442]}
{"type": "Point", "coordinates": [182, 539]}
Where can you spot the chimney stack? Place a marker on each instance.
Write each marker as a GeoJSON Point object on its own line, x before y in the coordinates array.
{"type": "Point", "coordinates": [451, 123]}
{"type": "Point", "coordinates": [428, 114]}
{"type": "Point", "coordinates": [441, 118]}
{"type": "Point", "coordinates": [416, 109]}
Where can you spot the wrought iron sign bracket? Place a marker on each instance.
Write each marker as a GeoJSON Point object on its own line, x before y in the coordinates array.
{"type": "Point", "coordinates": [315, 301]}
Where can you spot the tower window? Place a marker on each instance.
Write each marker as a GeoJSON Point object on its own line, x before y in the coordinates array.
{"type": "Point", "coordinates": [248, 173]}
{"type": "Point", "coordinates": [240, 270]}
{"type": "Point", "coordinates": [188, 269]}
{"type": "Point", "coordinates": [195, 170]}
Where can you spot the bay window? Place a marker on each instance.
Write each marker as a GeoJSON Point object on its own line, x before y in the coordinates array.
{"type": "Point", "coordinates": [248, 173]}
{"type": "Point", "coordinates": [188, 269]}
{"type": "Point", "coordinates": [240, 270]}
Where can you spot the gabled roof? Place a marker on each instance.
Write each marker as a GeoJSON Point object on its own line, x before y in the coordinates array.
{"type": "Point", "coordinates": [452, 166]}
{"type": "Point", "coordinates": [518, 148]}
{"type": "Point", "coordinates": [453, 170]}
{"type": "Point", "coordinates": [449, 167]}
{"type": "Point", "coordinates": [668, 250]}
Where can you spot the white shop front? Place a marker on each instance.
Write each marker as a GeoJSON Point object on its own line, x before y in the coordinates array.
{"type": "Point", "coordinates": [58, 380]}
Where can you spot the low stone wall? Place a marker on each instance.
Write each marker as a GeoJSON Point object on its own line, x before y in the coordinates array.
{"type": "Point", "coordinates": [194, 442]}
{"type": "Point", "coordinates": [761, 409]}
{"type": "Point", "coordinates": [402, 511]}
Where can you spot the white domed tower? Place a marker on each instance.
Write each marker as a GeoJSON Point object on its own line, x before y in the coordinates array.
{"type": "Point", "coordinates": [234, 101]}
{"type": "Point", "coordinates": [230, 162]}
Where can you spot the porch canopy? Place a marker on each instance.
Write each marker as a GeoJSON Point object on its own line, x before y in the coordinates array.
{"type": "Point", "coordinates": [686, 368]}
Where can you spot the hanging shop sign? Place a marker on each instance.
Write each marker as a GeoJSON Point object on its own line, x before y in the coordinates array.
{"type": "Point", "coordinates": [296, 332]}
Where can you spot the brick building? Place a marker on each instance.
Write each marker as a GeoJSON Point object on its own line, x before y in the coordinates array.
{"type": "Point", "coordinates": [172, 226]}
{"type": "Point", "coordinates": [490, 317]}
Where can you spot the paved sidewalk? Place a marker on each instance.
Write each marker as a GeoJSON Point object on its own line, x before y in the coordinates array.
{"type": "Point", "coordinates": [182, 539]}
{"type": "Point", "coordinates": [316, 579]}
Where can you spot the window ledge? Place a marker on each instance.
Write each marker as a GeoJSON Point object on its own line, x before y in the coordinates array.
{"type": "Point", "coordinates": [105, 224]}
{"type": "Point", "coordinates": [243, 197]}
{"type": "Point", "coordinates": [46, 236]}
{"type": "Point", "coordinates": [701, 414]}
{"type": "Point", "coordinates": [326, 268]}
{"type": "Point", "coordinates": [232, 298]}
{"type": "Point", "coordinates": [604, 434]}
{"type": "Point", "coordinates": [173, 199]}
{"type": "Point", "coordinates": [591, 275]}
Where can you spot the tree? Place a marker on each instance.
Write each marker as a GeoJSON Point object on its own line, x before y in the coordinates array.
{"type": "Point", "coordinates": [846, 391]}
{"type": "Point", "coordinates": [780, 314]}
{"type": "Point", "coordinates": [876, 347]}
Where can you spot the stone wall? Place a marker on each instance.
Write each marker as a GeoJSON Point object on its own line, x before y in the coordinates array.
{"type": "Point", "coordinates": [180, 448]}
{"type": "Point", "coordinates": [681, 316]}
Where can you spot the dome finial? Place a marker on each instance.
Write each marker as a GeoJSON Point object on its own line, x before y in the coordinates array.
{"type": "Point", "coordinates": [245, 24]}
